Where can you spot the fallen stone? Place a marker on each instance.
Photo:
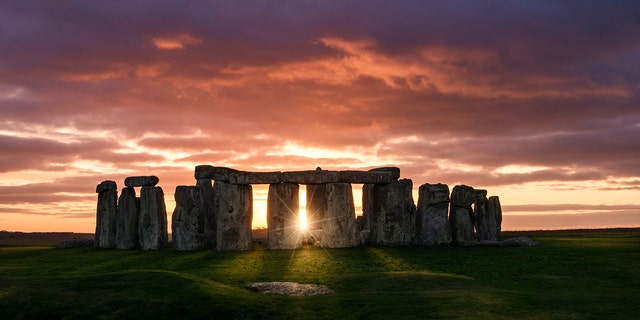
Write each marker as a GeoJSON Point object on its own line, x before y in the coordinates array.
{"type": "Point", "coordinates": [106, 185]}
{"type": "Point", "coordinates": [375, 177]}
{"type": "Point", "coordinates": [283, 222]}
{"type": "Point", "coordinates": [244, 177]}
{"type": "Point", "coordinates": [187, 223]}
{"type": "Point", "coordinates": [141, 181]}
{"type": "Point", "coordinates": [432, 225]}
{"type": "Point", "coordinates": [105, 235]}
{"type": "Point", "coordinates": [364, 236]}
{"type": "Point", "coordinates": [75, 243]}
{"type": "Point", "coordinates": [289, 288]}
{"type": "Point", "coordinates": [152, 223]}
{"type": "Point", "coordinates": [127, 220]}
{"type": "Point", "coordinates": [339, 224]}
{"type": "Point", "coordinates": [311, 177]}
{"type": "Point", "coordinates": [520, 242]}
{"type": "Point", "coordinates": [395, 171]}
{"type": "Point", "coordinates": [235, 213]}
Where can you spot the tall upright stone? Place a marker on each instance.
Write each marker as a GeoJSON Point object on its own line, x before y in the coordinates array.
{"type": "Point", "coordinates": [187, 223]}
{"type": "Point", "coordinates": [105, 236]}
{"type": "Point", "coordinates": [209, 208]}
{"type": "Point", "coordinates": [432, 225]}
{"type": "Point", "coordinates": [235, 213]}
{"type": "Point", "coordinates": [152, 223]}
{"type": "Point", "coordinates": [127, 220]}
{"type": "Point", "coordinates": [283, 221]}
{"type": "Point", "coordinates": [339, 224]}
{"type": "Point", "coordinates": [484, 220]}
{"type": "Point", "coordinates": [316, 198]}
{"type": "Point", "coordinates": [495, 210]}
{"type": "Point", "coordinates": [461, 215]}
{"type": "Point", "coordinates": [393, 218]}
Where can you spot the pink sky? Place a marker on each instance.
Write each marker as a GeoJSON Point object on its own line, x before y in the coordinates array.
{"type": "Point", "coordinates": [537, 102]}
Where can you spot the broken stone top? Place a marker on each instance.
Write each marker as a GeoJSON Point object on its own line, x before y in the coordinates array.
{"type": "Point", "coordinates": [141, 181]}
{"type": "Point", "coordinates": [106, 185]}
{"type": "Point", "coordinates": [462, 196]}
{"type": "Point", "coordinates": [435, 193]}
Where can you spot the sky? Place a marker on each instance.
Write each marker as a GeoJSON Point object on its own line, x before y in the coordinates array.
{"type": "Point", "coordinates": [536, 101]}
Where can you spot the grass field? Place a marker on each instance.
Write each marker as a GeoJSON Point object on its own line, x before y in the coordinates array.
{"type": "Point", "coordinates": [568, 276]}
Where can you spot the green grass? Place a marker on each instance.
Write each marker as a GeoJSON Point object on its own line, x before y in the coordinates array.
{"type": "Point", "coordinates": [569, 276]}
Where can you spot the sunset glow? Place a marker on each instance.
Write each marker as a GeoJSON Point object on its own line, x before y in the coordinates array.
{"type": "Point", "coordinates": [537, 102]}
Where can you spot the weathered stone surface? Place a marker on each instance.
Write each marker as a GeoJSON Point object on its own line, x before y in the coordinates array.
{"type": "Point", "coordinates": [352, 176]}
{"type": "Point", "coordinates": [283, 222]}
{"type": "Point", "coordinates": [520, 242]}
{"type": "Point", "coordinates": [432, 225]}
{"type": "Point", "coordinates": [244, 177]}
{"type": "Point", "coordinates": [105, 236]}
{"type": "Point", "coordinates": [187, 222]}
{"type": "Point", "coordinates": [394, 212]}
{"type": "Point", "coordinates": [311, 177]}
{"type": "Point", "coordinates": [494, 209]}
{"type": "Point", "coordinates": [339, 225]}
{"type": "Point", "coordinates": [290, 288]}
{"type": "Point", "coordinates": [485, 220]}
{"type": "Point", "coordinates": [395, 171]}
{"type": "Point", "coordinates": [367, 209]}
{"type": "Point", "coordinates": [480, 193]}
{"type": "Point", "coordinates": [461, 215]}
{"type": "Point", "coordinates": [235, 213]}
{"type": "Point", "coordinates": [152, 223]}
{"type": "Point", "coordinates": [127, 220]}
{"type": "Point", "coordinates": [141, 181]}
{"type": "Point", "coordinates": [316, 199]}
{"type": "Point", "coordinates": [462, 196]}
{"type": "Point", "coordinates": [205, 171]}
{"type": "Point", "coordinates": [106, 185]}
{"type": "Point", "coordinates": [205, 201]}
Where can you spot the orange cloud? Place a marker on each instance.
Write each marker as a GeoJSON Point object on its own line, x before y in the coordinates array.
{"type": "Point", "coordinates": [175, 41]}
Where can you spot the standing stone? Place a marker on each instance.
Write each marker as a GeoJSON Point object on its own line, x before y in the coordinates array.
{"type": "Point", "coordinates": [494, 209]}
{"type": "Point", "coordinates": [432, 225]}
{"type": "Point", "coordinates": [127, 220]}
{"type": "Point", "coordinates": [187, 223]}
{"type": "Point", "coordinates": [367, 208]}
{"type": "Point", "coordinates": [461, 215]}
{"type": "Point", "coordinates": [283, 222]}
{"type": "Point", "coordinates": [393, 214]}
{"type": "Point", "coordinates": [235, 213]}
{"type": "Point", "coordinates": [339, 224]}
{"type": "Point", "coordinates": [152, 223]}
{"type": "Point", "coordinates": [316, 198]}
{"type": "Point", "coordinates": [484, 220]}
{"type": "Point", "coordinates": [209, 208]}
{"type": "Point", "coordinates": [105, 236]}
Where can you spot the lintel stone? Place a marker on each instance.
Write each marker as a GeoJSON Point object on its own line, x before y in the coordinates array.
{"type": "Point", "coordinates": [395, 171]}
{"type": "Point", "coordinates": [141, 181]}
{"type": "Point", "coordinates": [205, 171]}
{"type": "Point", "coordinates": [244, 177]}
{"type": "Point", "coordinates": [311, 177]}
{"type": "Point", "coordinates": [106, 185]}
{"type": "Point", "coordinates": [374, 177]}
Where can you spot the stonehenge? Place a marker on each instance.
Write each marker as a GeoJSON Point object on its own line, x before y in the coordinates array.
{"type": "Point", "coordinates": [217, 211]}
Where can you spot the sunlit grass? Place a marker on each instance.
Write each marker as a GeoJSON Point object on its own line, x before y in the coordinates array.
{"type": "Point", "coordinates": [567, 276]}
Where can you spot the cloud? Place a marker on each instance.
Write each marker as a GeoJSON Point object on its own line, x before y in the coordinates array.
{"type": "Point", "coordinates": [448, 91]}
